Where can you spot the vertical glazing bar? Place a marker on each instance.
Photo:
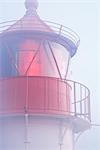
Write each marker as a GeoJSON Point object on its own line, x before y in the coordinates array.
{"type": "Point", "coordinates": [67, 67]}
{"type": "Point", "coordinates": [55, 60]}
{"type": "Point", "coordinates": [33, 58]}
{"type": "Point", "coordinates": [46, 51]}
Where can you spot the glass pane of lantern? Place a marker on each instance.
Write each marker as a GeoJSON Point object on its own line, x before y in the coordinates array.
{"type": "Point", "coordinates": [27, 57]}
{"type": "Point", "coordinates": [48, 64]}
{"type": "Point", "coordinates": [35, 58]}
{"type": "Point", "coordinates": [44, 62]}
{"type": "Point", "coordinates": [62, 57]}
{"type": "Point", "coordinates": [7, 60]}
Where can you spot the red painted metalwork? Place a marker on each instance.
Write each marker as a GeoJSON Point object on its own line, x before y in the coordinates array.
{"type": "Point", "coordinates": [43, 95]}
{"type": "Point", "coordinates": [36, 94]}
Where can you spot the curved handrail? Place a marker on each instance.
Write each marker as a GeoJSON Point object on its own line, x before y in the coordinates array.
{"type": "Point", "coordinates": [57, 28]}
{"type": "Point", "coordinates": [80, 99]}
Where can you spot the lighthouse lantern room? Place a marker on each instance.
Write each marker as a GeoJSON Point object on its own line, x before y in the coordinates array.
{"type": "Point", "coordinates": [40, 108]}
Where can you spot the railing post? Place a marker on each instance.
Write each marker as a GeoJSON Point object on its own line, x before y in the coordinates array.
{"type": "Point", "coordinates": [60, 29]}
{"type": "Point", "coordinates": [85, 103]}
{"type": "Point", "coordinates": [89, 110]}
{"type": "Point", "coordinates": [75, 98]}
{"type": "Point", "coordinates": [67, 101]}
{"type": "Point", "coordinates": [81, 110]}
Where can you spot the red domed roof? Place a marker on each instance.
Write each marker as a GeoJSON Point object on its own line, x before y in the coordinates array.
{"type": "Point", "coordinates": [30, 21]}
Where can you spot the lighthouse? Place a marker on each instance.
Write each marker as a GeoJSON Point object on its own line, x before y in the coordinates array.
{"type": "Point", "coordinates": [40, 108]}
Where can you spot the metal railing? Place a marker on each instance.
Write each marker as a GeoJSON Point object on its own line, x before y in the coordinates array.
{"type": "Point", "coordinates": [69, 97]}
{"type": "Point", "coordinates": [31, 25]}
{"type": "Point", "coordinates": [80, 100]}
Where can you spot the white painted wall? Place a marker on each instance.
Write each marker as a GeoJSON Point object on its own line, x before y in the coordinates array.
{"type": "Point", "coordinates": [42, 134]}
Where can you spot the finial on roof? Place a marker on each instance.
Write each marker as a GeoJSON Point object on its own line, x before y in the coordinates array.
{"type": "Point", "coordinates": [31, 6]}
